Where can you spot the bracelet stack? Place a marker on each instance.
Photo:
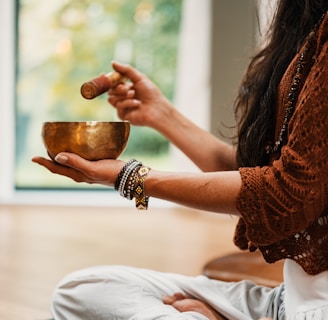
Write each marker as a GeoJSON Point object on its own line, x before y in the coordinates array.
{"type": "Point", "coordinates": [130, 183]}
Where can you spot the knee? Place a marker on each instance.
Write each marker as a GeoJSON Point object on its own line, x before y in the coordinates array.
{"type": "Point", "coordinates": [72, 296]}
{"type": "Point", "coordinates": [86, 293]}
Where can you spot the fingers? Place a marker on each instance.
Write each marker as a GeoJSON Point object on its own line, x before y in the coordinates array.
{"type": "Point", "coordinates": [124, 102]}
{"type": "Point", "coordinates": [69, 165]}
{"type": "Point", "coordinates": [119, 102]}
{"type": "Point", "coordinates": [123, 96]}
{"type": "Point", "coordinates": [74, 161]}
{"type": "Point", "coordinates": [60, 169]}
{"type": "Point", "coordinates": [122, 89]}
{"type": "Point", "coordinates": [181, 296]}
{"type": "Point", "coordinates": [168, 299]}
{"type": "Point", "coordinates": [42, 161]}
{"type": "Point", "coordinates": [176, 297]}
{"type": "Point", "coordinates": [81, 170]}
{"type": "Point", "coordinates": [127, 71]}
{"type": "Point", "coordinates": [185, 303]}
{"type": "Point", "coordinates": [91, 171]}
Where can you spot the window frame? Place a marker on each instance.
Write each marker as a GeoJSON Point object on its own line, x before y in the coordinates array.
{"type": "Point", "coordinates": [8, 192]}
{"type": "Point", "coordinates": [7, 84]}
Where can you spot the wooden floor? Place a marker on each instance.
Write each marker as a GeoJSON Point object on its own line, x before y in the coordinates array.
{"type": "Point", "coordinates": [40, 244]}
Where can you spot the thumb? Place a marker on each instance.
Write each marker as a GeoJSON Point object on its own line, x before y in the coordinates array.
{"type": "Point", "coordinates": [61, 158]}
{"type": "Point", "coordinates": [72, 160]}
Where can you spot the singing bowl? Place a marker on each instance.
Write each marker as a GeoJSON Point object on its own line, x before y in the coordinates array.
{"type": "Point", "coordinates": [92, 140]}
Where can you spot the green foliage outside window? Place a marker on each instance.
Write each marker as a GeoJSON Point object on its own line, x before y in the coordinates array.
{"type": "Point", "coordinates": [63, 43]}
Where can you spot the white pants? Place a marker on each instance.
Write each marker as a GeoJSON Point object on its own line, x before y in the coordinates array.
{"type": "Point", "coordinates": [125, 293]}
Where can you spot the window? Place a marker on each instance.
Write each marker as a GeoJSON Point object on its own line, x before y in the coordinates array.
{"type": "Point", "coordinates": [26, 99]}
{"type": "Point", "coordinates": [63, 43]}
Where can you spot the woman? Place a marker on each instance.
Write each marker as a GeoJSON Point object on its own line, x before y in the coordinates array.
{"type": "Point", "coordinates": [275, 181]}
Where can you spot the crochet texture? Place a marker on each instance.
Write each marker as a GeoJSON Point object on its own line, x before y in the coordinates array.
{"type": "Point", "coordinates": [284, 206]}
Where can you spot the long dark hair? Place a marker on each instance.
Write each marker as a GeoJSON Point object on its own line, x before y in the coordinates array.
{"type": "Point", "coordinates": [255, 103]}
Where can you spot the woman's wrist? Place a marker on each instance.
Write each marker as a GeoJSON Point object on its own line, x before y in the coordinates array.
{"type": "Point", "coordinates": [130, 183]}
{"type": "Point", "coordinates": [161, 116]}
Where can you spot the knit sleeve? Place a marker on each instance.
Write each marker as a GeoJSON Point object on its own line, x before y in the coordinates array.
{"type": "Point", "coordinates": [282, 199]}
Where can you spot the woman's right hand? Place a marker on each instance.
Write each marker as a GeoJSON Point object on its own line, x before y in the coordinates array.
{"type": "Point", "coordinates": [140, 101]}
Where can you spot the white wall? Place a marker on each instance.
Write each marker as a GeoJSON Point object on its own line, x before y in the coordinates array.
{"type": "Point", "coordinates": [194, 71]}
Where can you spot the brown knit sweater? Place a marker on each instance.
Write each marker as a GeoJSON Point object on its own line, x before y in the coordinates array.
{"type": "Point", "coordinates": [284, 206]}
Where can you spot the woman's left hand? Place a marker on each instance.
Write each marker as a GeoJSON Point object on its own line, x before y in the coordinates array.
{"type": "Point", "coordinates": [185, 303]}
{"type": "Point", "coordinates": [72, 166]}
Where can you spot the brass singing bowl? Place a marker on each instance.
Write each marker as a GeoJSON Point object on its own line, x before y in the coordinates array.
{"type": "Point", "coordinates": [92, 140]}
